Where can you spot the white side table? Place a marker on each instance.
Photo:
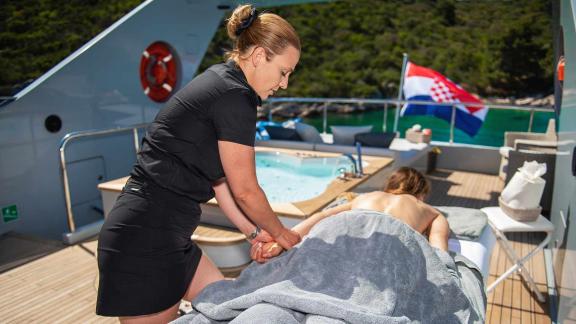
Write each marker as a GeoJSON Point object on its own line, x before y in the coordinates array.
{"type": "Point", "coordinates": [500, 224]}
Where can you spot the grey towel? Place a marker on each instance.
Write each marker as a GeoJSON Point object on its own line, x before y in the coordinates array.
{"type": "Point", "coordinates": [354, 267]}
{"type": "Point", "coordinates": [465, 223]}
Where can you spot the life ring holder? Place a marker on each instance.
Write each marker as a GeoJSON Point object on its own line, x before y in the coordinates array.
{"type": "Point", "coordinates": [159, 71]}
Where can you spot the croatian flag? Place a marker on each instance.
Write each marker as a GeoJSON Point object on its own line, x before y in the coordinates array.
{"type": "Point", "coordinates": [424, 84]}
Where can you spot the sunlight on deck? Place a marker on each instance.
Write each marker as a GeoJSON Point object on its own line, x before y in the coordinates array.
{"type": "Point", "coordinates": [61, 287]}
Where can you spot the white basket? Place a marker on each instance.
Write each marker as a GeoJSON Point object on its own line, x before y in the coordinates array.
{"type": "Point", "coordinates": [521, 215]}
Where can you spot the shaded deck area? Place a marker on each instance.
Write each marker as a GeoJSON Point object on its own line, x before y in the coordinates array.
{"type": "Point", "coordinates": [61, 286]}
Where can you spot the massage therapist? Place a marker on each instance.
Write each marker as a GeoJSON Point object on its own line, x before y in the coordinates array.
{"type": "Point", "coordinates": [200, 145]}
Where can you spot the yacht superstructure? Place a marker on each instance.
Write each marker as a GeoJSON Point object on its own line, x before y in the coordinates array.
{"type": "Point", "coordinates": [99, 87]}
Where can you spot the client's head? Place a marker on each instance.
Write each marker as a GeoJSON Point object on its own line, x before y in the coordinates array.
{"type": "Point", "coordinates": [408, 181]}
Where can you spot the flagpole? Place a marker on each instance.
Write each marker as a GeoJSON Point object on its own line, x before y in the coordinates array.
{"type": "Point", "coordinates": [397, 115]}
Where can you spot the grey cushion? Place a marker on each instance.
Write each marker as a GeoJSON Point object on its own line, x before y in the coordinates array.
{"type": "Point", "coordinates": [308, 133]}
{"type": "Point", "coordinates": [465, 223]}
{"type": "Point", "coordinates": [344, 135]}
{"type": "Point", "coordinates": [375, 139]}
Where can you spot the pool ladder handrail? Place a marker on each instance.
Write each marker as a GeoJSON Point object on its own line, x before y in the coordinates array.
{"type": "Point", "coordinates": [356, 163]}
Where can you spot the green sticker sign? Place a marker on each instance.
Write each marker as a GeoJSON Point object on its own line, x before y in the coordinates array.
{"type": "Point", "coordinates": [9, 213]}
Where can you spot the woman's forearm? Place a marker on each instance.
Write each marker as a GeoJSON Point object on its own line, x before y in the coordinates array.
{"type": "Point", "coordinates": [239, 166]}
{"type": "Point", "coordinates": [228, 205]}
{"type": "Point", "coordinates": [256, 207]}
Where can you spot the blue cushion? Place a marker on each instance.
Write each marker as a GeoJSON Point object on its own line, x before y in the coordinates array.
{"type": "Point", "coordinates": [308, 133]}
{"type": "Point", "coordinates": [344, 135]}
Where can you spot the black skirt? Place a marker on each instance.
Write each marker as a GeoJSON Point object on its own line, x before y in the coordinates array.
{"type": "Point", "coordinates": [146, 257]}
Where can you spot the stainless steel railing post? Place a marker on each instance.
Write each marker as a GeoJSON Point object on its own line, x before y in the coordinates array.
{"type": "Point", "coordinates": [64, 143]}
{"type": "Point", "coordinates": [452, 124]}
{"type": "Point", "coordinates": [531, 120]}
{"type": "Point", "coordinates": [136, 142]}
{"type": "Point", "coordinates": [67, 200]}
{"type": "Point", "coordinates": [384, 126]}
{"type": "Point", "coordinates": [325, 118]}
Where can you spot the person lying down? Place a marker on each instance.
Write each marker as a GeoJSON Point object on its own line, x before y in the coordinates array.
{"type": "Point", "coordinates": [355, 266]}
{"type": "Point", "coordinates": [402, 198]}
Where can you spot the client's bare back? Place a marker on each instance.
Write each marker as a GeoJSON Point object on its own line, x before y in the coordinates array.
{"type": "Point", "coordinates": [406, 208]}
{"type": "Point", "coordinates": [403, 199]}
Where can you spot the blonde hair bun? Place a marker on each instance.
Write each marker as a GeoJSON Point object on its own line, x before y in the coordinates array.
{"type": "Point", "coordinates": [240, 17]}
{"type": "Point", "coordinates": [248, 28]}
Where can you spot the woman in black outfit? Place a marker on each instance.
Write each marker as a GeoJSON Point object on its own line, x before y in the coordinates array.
{"type": "Point", "coordinates": [200, 145]}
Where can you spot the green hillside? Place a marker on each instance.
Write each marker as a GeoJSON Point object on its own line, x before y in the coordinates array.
{"type": "Point", "coordinates": [351, 48]}
{"type": "Point", "coordinates": [37, 34]}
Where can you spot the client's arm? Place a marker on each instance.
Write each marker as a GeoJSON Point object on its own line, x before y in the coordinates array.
{"type": "Point", "coordinates": [304, 227]}
{"type": "Point", "coordinates": [439, 232]}
{"type": "Point", "coordinates": [262, 252]}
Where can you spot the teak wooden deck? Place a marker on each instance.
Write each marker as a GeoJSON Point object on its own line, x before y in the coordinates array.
{"type": "Point", "coordinates": [511, 301]}
{"type": "Point", "coordinates": [61, 287]}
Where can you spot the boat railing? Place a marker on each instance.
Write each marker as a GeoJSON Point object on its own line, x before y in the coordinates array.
{"type": "Point", "coordinates": [399, 103]}
{"type": "Point", "coordinates": [77, 234]}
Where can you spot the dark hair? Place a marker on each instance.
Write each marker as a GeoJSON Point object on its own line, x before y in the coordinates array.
{"type": "Point", "coordinates": [247, 28]}
{"type": "Point", "coordinates": [409, 181]}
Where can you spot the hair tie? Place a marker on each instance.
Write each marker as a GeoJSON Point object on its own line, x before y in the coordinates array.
{"type": "Point", "coordinates": [247, 22]}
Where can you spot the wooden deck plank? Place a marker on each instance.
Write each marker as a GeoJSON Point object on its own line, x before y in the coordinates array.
{"type": "Point", "coordinates": [53, 284]}
{"type": "Point", "coordinates": [516, 292]}
{"type": "Point", "coordinates": [526, 295]}
{"type": "Point", "coordinates": [50, 289]}
{"type": "Point", "coordinates": [496, 296]}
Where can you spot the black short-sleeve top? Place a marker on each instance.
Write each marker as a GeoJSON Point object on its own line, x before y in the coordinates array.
{"type": "Point", "coordinates": [180, 150]}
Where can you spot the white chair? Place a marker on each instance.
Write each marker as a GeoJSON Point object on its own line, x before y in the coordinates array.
{"type": "Point", "coordinates": [540, 142]}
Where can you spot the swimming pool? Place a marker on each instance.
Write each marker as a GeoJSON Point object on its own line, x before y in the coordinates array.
{"type": "Point", "coordinates": [288, 178]}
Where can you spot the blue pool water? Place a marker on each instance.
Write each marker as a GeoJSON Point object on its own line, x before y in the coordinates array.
{"type": "Point", "coordinates": [288, 178]}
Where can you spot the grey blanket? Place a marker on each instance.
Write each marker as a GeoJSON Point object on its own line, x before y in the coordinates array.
{"type": "Point", "coordinates": [354, 267]}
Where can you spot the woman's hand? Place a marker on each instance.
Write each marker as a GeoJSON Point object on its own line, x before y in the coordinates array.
{"type": "Point", "coordinates": [262, 252]}
{"type": "Point", "coordinates": [256, 252]}
{"type": "Point", "coordinates": [287, 238]}
{"type": "Point", "coordinates": [263, 237]}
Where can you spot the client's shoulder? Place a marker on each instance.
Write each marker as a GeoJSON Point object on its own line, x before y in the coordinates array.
{"type": "Point", "coordinates": [374, 195]}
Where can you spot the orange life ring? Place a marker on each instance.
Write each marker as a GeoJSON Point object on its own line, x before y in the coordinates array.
{"type": "Point", "coordinates": [158, 71]}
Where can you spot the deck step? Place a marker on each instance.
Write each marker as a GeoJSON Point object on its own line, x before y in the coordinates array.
{"type": "Point", "coordinates": [207, 234]}
{"type": "Point", "coordinates": [226, 247]}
